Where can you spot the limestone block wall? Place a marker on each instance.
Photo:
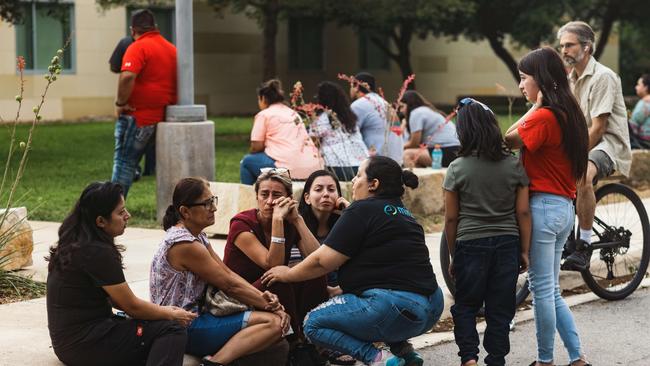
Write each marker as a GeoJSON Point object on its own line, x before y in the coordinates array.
{"type": "Point", "coordinates": [426, 200]}
{"type": "Point", "coordinates": [21, 242]}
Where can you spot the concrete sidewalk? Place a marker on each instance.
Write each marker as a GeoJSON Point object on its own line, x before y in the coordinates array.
{"type": "Point", "coordinates": [24, 335]}
{"type": "Point", "coordinates": [23, 325]}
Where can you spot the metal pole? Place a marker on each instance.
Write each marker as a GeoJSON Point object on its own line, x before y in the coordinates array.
{"type": "Point", "coordinates": [185, 52]}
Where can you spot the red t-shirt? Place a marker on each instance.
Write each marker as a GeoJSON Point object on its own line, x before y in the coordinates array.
{"type": "Point", "coordinates": [153, 59]}
{"type": "Point", "coordinates": [543, 156]}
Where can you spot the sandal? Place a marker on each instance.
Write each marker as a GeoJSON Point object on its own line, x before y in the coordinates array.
{"type": "Point", "coordinates": [338, 358]}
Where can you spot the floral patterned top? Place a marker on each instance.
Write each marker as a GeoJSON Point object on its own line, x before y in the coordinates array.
{"type": "Point", "coordinates": [169, 286]}
{"type": "Point", "coordinates": [339, 148]}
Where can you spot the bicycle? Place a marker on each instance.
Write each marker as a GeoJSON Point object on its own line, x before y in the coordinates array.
{"type": "Point", "coordinates": [620, 242]}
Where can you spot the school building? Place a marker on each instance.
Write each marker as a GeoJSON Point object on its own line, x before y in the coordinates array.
{"type": "Point", "coordinates": [228, 61]}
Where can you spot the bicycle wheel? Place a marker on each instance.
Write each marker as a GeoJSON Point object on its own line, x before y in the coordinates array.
{"type": "Point", "coordinates": [617, 270]}
{"type": "Point", "coordinates": [522, 282]}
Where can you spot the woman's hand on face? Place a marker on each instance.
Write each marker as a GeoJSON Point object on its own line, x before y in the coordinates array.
{"type": "Point", "coordinates": [540, 99]}
{"type": "Point", "coordinates": [293, 214]}
{"type": "Point", "coordinates": [342, 203]}
{"type": "Point", "coordinates": [273, 302]}
{"type": "Point", "coordinates": [275, 274]}
{"type": "Point", "coordinates": [182, 316]}
{"type": "Point", "coordinates": [281, 207]}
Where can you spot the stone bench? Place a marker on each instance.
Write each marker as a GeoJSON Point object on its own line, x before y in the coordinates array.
{"type": "Point", "coordinates": [426, 200]}
{"type": "Point", "coordinates": [275, 355]}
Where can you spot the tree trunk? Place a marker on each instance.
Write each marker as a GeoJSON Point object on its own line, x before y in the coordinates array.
{"type": "Point", "coordinates": [497, 46]}
{"type": "Point", "coordinates": [269, 31]}
{"type": "Point", "coordinates": [403, 56]}
{"type": "Point", "coordinates": [612, 13]}
{"type": "Point", "coordinates": [403, 43]}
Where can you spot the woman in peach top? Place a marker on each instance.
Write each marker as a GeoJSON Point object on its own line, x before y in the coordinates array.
{"type": "Point", "coordinates": [279, 139]}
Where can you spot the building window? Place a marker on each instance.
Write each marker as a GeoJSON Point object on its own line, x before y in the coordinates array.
{"type": "Point", "coordinates": [306, 44]}
{"type": "Point", "coordinates": [46, 27]}
{"type": "Point", "coordinates": [165, 19]}
{"type": "Point", "coordinates": [370, 56]}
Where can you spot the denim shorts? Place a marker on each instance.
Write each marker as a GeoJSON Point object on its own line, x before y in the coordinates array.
{"type": "Point", "coordinates": [604, 164]}
{"type": "Point", "coordinates": [208, 333]}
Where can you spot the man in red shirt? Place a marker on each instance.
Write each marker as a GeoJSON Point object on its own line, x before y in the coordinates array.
{"type": "Point", "coordinates": [147, 85]}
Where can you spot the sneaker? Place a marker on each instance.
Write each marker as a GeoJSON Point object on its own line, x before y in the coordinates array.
{"type": "Point", "coordinates": [387, 359]}
{"type": "Point", "coordinates": [413, 359]}
{"type": "Point", "coordinates": [580, 259]}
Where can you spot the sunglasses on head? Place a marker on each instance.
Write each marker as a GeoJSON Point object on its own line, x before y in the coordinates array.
{"type": "Point", "coordinates": [278, 171]}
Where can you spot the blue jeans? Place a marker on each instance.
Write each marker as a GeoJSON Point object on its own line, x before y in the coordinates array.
{"type": "Point", "coordinates": [486, 271]}
{"type": "Point", "coordinates": [553, 217]}
{"type": "Point", "coordinates": [130, 144]}
{"type": "Point", "coordinates": [250, 165]}
{"type": "Point", "coordinates": [349, 323]}
{"type": "Point", "coordinates": [208, 333]}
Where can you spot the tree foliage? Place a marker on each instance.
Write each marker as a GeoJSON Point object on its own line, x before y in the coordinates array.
{"type": "Point", "coordinates": [528, 23]}
{"type": "Point", "coordinates": [267, 13]}
{"type": "Point", "coordinates": [398, 21]}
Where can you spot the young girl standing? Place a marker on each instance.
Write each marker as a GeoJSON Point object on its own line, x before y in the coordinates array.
{"type": "Point", "coordinates": [553, 139]}
{"type": "Point", "coordinates": [487, 224]}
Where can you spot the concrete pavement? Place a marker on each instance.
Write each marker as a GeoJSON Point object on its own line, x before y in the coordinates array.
{"type": "Point", "coordinates": [23, 325]}
{"type": "Point", "coordinates": [612, 333]}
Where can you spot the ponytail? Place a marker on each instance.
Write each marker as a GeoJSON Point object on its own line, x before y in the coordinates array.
{"type": "Point", "coordinates": [171, 218]}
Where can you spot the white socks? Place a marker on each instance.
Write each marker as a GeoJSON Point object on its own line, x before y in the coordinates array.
{"type": "Point", "coordinates": [585, 235]}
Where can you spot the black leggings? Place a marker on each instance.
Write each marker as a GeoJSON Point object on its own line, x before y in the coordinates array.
{"type": "Point", "coordinates": [131, 342]}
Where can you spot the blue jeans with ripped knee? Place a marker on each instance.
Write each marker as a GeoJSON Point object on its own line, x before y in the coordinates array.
{"type": "Point", "coordinates": [349, 323]}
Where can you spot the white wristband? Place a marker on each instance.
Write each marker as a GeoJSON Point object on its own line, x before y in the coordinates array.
{"type": "Point", "coordinates": [277, 240]}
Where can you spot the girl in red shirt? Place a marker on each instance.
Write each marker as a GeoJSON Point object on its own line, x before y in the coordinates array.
{"type": "Point", "coordinates": [553, 140]}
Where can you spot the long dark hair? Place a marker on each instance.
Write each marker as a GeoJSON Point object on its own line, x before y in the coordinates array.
{"type": "Point", "coordinates": [413, 100]}
{"type": "Point", "coordinates": [390, 175]}
{"type": "Point", "coordinates": [271, 91]}
{"type": "Point", "coordinates": [479, 133]}
{"type": "Point", "coordinates": [80, 228]}
{"type": "Point", "coordinates": [546, 67]}
{"type": "Point", "coordinates": [305, 209]}
{"type": "Point", "coordinates": [187, 191]}
{"type": "Point", "coordinates": [332, 96]}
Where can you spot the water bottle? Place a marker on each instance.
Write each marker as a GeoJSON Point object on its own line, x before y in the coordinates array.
{"type": "Point", "coordinates": [436, 157]}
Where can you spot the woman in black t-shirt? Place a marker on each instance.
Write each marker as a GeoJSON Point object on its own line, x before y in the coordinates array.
{"type": "Point", "coordinates": [390, 293]}
{"type": "Point", "coordinates": [86, 281]}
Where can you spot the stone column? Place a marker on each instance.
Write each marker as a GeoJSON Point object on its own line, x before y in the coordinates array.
{"type": "Point", "coordinates": [185, 140]}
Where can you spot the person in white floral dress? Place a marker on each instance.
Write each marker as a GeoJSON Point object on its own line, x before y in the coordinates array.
{"type": "Point", "coordinates": [340, 141]}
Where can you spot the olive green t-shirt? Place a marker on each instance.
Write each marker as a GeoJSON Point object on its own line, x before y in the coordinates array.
{"type": "Point", "coordinates": [487, 191]}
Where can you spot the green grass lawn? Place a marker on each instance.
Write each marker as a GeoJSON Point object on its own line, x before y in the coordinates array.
{"type": "Point", "coordinates": [65, 157]}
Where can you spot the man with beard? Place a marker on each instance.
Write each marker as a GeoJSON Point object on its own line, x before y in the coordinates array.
{"type": "Point", "coordinates": [598, 91]}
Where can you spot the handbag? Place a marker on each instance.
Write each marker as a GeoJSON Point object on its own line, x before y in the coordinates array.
{"type": "Point", "coordinates": [218, 303]}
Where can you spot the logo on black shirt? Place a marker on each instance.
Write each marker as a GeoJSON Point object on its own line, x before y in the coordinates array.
{"type": "Point", "coordinates": [391, 210]}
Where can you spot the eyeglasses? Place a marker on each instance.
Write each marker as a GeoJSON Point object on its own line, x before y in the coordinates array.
{"type": "Point", "coordinates": [207, 204]}
{"type": "Point", "coordinates": [278, 171]}
{"type": "Point", "coordinates": [467, 101]}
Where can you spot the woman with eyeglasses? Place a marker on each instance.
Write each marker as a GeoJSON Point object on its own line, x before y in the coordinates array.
{"type": "Point", "coordinates": [278, 138]}
{"type": "Point", "coordinates": [426, 126]}
{"type": "Point", "coordinates": [185, 263]}
{"type": "Point", "coordinates": [262, 238]}
{"type": "Point", "coordinates": [86, 280]}
{"type": "Point", "coordinates": [389, 289]}
{"type": "Point", "coordinates": [553, 139]}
